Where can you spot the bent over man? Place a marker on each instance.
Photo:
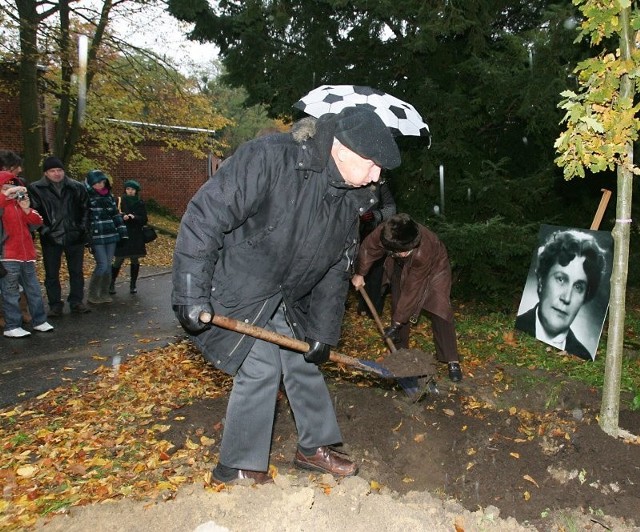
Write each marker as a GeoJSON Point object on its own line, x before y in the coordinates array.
{"type": "Point", "coordinates": [270, 240]}
{"type": "Point", "coordinates": [417, 267]}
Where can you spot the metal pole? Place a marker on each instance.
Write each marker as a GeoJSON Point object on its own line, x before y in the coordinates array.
{"type": "Point", "coordinates": [83, 48]}
{"type": "Point", "coordinates": [442, 190]}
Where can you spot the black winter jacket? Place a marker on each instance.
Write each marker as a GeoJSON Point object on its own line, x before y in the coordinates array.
{"type": "Point", "coordinates": [133, 246]}
{"type": "Point", "coordinates": [65, 215]}
{"type": "Point", "coordinates": [276, 223]}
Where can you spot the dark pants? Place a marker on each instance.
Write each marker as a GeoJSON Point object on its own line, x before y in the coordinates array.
{"type": "Point", "coordinates": [444, 331]}
{"type": "Point", "coordinates": [52, 259]}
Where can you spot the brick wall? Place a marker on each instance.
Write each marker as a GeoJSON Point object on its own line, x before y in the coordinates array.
{"type": "Point", "coordinates": [170, 178]}
{"type": "Point", "coordinates": [11, 130]}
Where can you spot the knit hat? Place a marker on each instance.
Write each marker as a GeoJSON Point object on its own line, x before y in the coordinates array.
{"type": "Point", "coordinates": [95, 176]}
{"type": "Point", "coordinates": [52, 162]}
{"type": "Point", "coordinates": [400, 233]}
{"type": "Point", "coordinates": [362, 131]}
{"type": "Point", "coordinates": [132, 183]}
{"type": "Point", "coordinates": [7, 178]}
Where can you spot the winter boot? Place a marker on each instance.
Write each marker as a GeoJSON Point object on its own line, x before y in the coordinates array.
{"type": "Point", "coordinates": [114, 274]}
{"type": "Point", "coordinates": [135, 270]}
{"type": "Point", "coordinates": [105, 281]}
{"type": "Point", "coordinates": [94, 289]}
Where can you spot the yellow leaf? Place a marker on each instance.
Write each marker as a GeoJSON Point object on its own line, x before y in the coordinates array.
{"type": "Point", "coordinates": [408, 480]}
{"type": "Point", "coordinates": [526, 495]}
{"type": "Point", "coordinates": [527, 477]}
{"type": "Point", "coordinates": [191, 445]}
{"type": "Point", "coordinates": [27, 471]}
{"type": "Point", "coordinates": [513, 410]}
{"type": "Point", "coordinates": [471, 451]}
{"type": "Point", "coordinates": [464, 427]}
{"type": "Point", "coordinates": [207, 442]}
{"type": "Point", "coordinates": [375, 485]}
{"type": "Point", "coordinates": [470, 465]}
{"type": "Point", "coordinates": [515, 455]}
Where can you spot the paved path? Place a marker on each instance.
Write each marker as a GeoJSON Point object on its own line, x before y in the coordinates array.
{"type": "Point", "coordinates": [82, 342]}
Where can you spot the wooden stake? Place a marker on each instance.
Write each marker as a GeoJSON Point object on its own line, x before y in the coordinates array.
{"type": "Point", "coordinates": [606, 194]}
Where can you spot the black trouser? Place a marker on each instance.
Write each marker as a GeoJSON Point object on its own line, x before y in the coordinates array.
{"type": "Point", "coordinates": [52, 259]}
{"type": "Point", "coordinates": [444, 331]}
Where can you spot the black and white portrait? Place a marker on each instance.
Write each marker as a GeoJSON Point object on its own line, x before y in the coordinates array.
{"type": "Point", "coordinates": [565, 299]}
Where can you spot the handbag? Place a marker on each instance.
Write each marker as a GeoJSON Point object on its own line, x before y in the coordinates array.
{"type": "Point", "coordinates": [148, 234]}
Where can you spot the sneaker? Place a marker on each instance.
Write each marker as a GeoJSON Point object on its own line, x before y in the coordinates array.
{"type": "Point", "coordinates": [455, 372]}
{"type": "Point", "coordinates": [18, 332]}
{"type": "Point", "coordinates": [55, 311]}
{"type": "Point", "coordinates": [80, 308]}
{"type": "Point", "coordinates": [43, 327]}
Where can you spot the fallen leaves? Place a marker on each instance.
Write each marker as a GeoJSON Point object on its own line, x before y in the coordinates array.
{"type": "Point", "coordinates": [102, 438]}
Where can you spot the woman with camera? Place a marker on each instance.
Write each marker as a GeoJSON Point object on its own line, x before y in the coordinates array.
{"type": "Point", "coordinates": [18, 258]}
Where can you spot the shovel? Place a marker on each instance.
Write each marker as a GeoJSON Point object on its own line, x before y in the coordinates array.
{"type": "Point", "coordinates": [413, 387]}
{"type": "Point", "coordinates": [412, 368]}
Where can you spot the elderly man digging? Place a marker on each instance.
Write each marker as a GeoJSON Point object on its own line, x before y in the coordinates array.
{"type": "Point", "coordinates": [270, 240]}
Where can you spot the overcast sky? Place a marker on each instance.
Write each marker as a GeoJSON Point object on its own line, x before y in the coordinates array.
{"type": "Point", "coordinates": [163, 34]}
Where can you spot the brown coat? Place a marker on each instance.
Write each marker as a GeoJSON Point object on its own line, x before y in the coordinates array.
{"type": "Point", "coordinates": [426, 277]}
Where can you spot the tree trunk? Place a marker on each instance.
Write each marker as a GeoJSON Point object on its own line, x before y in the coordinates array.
{"type": "Point", "coordinates": [66, 71]}
{"type": "Point", "coordinates": [29, 93]}
{"type": "Point", "coordinates": [610, 407]}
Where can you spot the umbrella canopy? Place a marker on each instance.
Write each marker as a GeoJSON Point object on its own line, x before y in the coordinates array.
{"type": "Point", "coordinates": [401, 117]}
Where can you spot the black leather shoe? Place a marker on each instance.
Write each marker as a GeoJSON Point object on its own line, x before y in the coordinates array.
{"type": "Point", "coordinates": [455, 372]}
{"type": "Point", "coordinates": [258, 477]}
{"type": "Point", "coordinates": [55, 311]}
{"type": "Point", "coordinates": [80, 308]}
{"type": "Point", "coordinates": [326, 460]}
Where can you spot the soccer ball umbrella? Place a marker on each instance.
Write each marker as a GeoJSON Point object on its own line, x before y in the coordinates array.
{"type": "Point", "coordinates": [400, 117]}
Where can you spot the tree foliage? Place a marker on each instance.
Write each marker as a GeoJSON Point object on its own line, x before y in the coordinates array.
{"type": "Point", "coordinates": [485, 74]}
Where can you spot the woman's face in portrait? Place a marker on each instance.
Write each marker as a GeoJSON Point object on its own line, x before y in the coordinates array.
{"type": "Point", "coordinates": [562, 295]}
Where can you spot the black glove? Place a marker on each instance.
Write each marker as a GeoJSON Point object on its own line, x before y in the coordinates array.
{"type": "Point", "coordinates": [189, 317]}
{"type": "Point", "coordinates": [318, 352]}
{"type": "Point", "coordinates": [392, 331]}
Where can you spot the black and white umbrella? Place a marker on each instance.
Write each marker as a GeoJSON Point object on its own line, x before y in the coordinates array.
{"type": "Point", "coordinates": [401, 117]}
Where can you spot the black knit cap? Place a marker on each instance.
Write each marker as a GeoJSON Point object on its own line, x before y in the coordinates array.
{"type": "Point", "coordinates": [400, 233]}
{"type": "Point", "coordinates": [362, 131]}
{"type": "Point", "coordinates": [51, 163]}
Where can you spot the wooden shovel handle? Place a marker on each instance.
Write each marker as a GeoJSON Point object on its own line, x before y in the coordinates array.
{"type": "Point", "coordinates": [376, 318]}
{"type": "Point", "coordinates": [279, 339]}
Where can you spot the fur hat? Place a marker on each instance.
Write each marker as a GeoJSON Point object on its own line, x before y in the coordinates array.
{"type": "Point", "coordinates": [400, 233]}
{"type": "Point", "coordinates": [51, 163]}
{"type": "Point", "coordinates": [132, 183]}
{"type": "Point", "coordinates": [7, 178]}
{"type": "Point", "coordinates": [95, 176]}
{"type": "Point", "coordinates": [362, 131]}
